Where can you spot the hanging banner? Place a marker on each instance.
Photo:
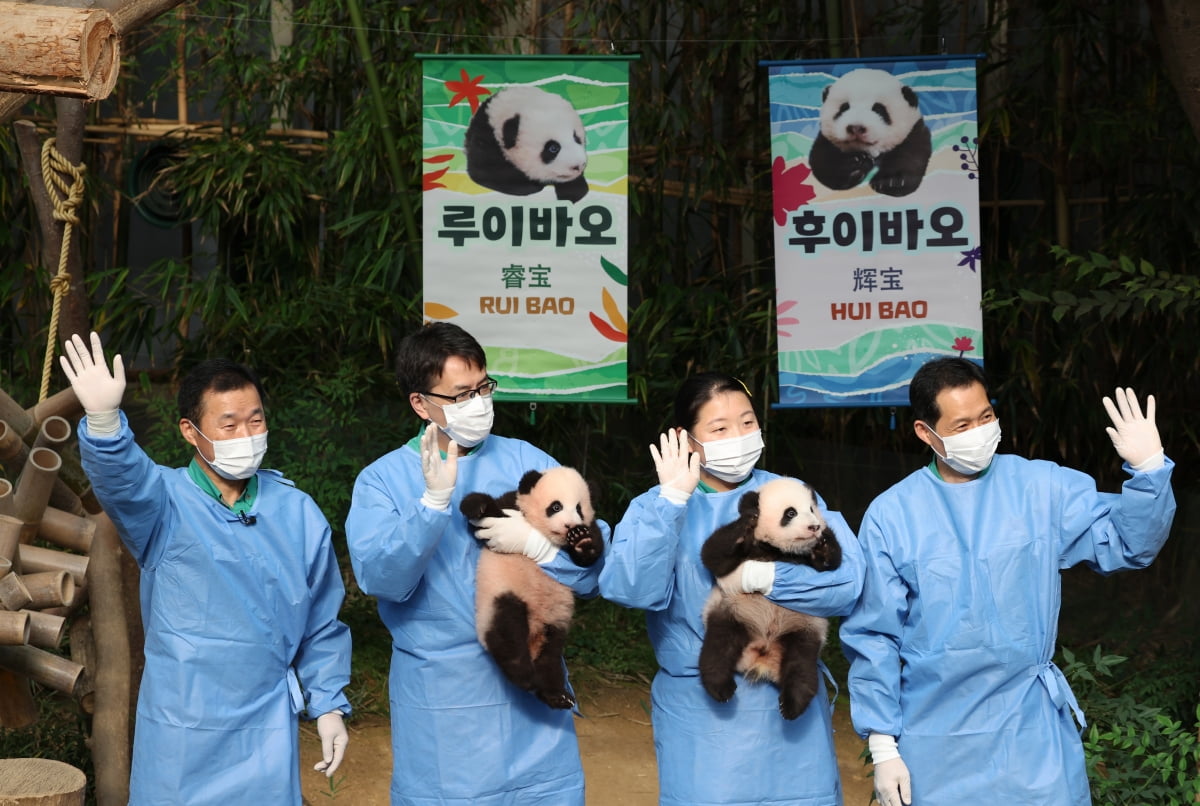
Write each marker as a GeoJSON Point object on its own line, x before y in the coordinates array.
{"type": "Point", "coordinates": [876, 206]}
{"type": "Point", "coordinates": [525, 217]}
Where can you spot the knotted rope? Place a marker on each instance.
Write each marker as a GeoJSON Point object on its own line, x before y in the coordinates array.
{"type": "Point", "coordinates": [65, 198]}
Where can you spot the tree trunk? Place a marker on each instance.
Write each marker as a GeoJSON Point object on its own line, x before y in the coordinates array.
{"type": "Point", "coordinates": [58, 51]}
{"type": "Point", "coordinates": [1177, 29]}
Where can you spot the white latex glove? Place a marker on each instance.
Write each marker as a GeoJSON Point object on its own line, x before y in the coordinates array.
{"type": "Point", "coordinates": [440, 474]}
{"type": "Point", "coordinates": [1135, 437]}
{"type": "Point", "coordinates": [334, 739]}
{"type": "Point", "coordinates": [893, 786]}
{"type": "Point", "coordinates": [514, 535]}
{"type": "Point", "coordinates": [99, 391]}
{"type": "Point", "coordinates": [678, 469]}
{"type": "Point", "coordinates": [758, 576]}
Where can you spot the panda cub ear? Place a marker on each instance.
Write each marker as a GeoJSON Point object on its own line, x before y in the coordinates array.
{"type": "Point", "coordinates": [528, 481]}
{"type": "Point", "coordinates": [748, 505]}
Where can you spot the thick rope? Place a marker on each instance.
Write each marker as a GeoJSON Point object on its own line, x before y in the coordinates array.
{"type": "Point", "coordinates": [65, 199]}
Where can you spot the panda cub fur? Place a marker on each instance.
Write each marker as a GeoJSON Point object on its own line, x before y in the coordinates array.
{"type": "Point", "coordinates": [869, 119]}
{"type": "Point", "coordinates": [522, 614]}
{"type": "Point", "coordinates": [523, 139]}
{"type": "Point", "coordinates": [748, 633]}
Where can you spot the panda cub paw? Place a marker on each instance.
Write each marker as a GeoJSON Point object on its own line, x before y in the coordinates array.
{"type": "Point", "coordinates": [826, 554]}
{"type": "Point", "coordinates": [584, 544]}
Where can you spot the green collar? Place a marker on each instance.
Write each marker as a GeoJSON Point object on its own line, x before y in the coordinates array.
{"type": "Point", "coordinates": [704, 488]}
{"type": "Point", "coordinates": [933, 466]}
{"type": "Point", "coordinates": [245, 500]}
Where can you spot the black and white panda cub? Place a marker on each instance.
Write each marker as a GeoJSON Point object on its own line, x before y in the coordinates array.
{"type": "Point", "coordinates": [869, 119]}
{"type": "Point", "coordinates": [523, 139]}
{"type": "Point", "coordinates": [748, 633]}
{"type": "Point", "coordinates": [522, 614]}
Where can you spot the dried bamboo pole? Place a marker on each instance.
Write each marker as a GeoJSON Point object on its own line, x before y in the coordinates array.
{"type": "Point", "coordinates": [13, 593]}
{"type": "Point", "coordinates": [49, 589]}
{"type": "Point", "coordinates": [35, 559]}
{"type": "Point", "coordinates": [54, 671]}
{"type": "Point", "coordinates": [33, 490]}
{"type": "Point", "coordinates": [14, 453]}
{"type": "Point", "coordinates": [6, 489]}
{"type": "Point", "coordinates": [75, 494]}
{"type": "Point", "coordinates": [14, 628]}
{"type": "Point", "coordinates": [53, 433]}
{"type": "Point", "coordinates": [10, 538]}
{"type": "Point", "coordinates": [46, 630]}
{"type": "Point", "coordinates": [66, 530]}
{"type": "Point", "coordinates": [5, 567]}
{"type": "Point", "coordinates": [60, 404]}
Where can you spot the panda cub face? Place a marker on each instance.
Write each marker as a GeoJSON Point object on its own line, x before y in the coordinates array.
{"type": "Point", "coordinates": [868, 110]}
{"type": "Point", "coordinates": [555, 501]}
{"type": "Point", "coordinates": [788, 516]}
{"type": "Point", "coordinates": [540, 132]}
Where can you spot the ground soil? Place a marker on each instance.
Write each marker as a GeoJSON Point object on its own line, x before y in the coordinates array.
{"type": "Point", "coordinates": [615, 741]}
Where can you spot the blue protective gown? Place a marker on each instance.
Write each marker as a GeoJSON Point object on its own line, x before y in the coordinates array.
{"type": "Point", "coordinates": [951, 644]}
{"type": "Point", "coordinates": [461, 732]}
{"type": "Point", "coordinates": [742, 751]}
{"type": "Point", "coordinates": [241, 628]}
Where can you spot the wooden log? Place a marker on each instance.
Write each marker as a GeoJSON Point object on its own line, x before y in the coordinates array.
{"type": "Point", "coordinates": [14, 628]}
{"type": "Point", "coordinates": [13, 593]}
{"type": "Point", "coordinates": [83, 652]}
{"type": "Point", "coordinates": [66, 530]}
{"type": "Point", "coordinates": [45, 630]}
{"type": "Point", "coordinates": [40, 782]}
{"type": "Point", "coordinates": [10, 538]}
{"type": "Point", "coordinates": [33, 490]}
{"type": "Point", "coordinates": [35, 559]}
{"type": "Point", "coordinates": [76, 487]}
{"type": "Point", "coordinates": [51, 50]}
{"type": "Point", "coordinates": [49, 589]}
{"type": "Point", "coordinates": [110, 744]}
{"type": "Point", "coordinates": [6, 499]}
{"type": "Point", "coordinates": [53, 671]}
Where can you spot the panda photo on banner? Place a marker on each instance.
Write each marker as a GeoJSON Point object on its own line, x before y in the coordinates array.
{"type": "Point", "coordinates": [875, 180]}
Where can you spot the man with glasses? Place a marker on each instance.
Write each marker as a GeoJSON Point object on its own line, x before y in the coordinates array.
{"type": "Point", "coordinates": [461, 733]}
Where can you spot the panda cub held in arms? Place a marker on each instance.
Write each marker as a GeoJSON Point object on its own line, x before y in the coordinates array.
{"type": "Point", "coordinates": [869, 119]}
{"type": "Point", "coordinates": [522, 614]}
{"type": "Point", "coordinates": [748, 633]}
{"type": "Point", "coordinates": [523, 139]}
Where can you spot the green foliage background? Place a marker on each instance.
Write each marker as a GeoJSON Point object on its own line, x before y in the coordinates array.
{"type": "Point", "coordinates": [304, 261]}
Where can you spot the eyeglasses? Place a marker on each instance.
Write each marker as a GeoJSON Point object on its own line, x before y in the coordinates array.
{"type": "Point", "coordinates": [484, 389]}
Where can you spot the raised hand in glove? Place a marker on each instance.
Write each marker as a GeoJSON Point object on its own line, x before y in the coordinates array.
{"type": "Point", "coordinates": [334, 739]}
{"type": "Point", "coordinates": [99, 391]}
{"type": "Point", "coordinates": [1135, 437]}
{"type": "Point", "coordinates": [440, 474]}
{"type": "Point", "coordinates": [678, 468]}
{"type": "Point", "coordinates": [514, 535]}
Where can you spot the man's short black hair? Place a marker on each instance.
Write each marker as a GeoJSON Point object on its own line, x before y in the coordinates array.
{"type": "Point", "coordinates": [938, 375]}
{"type": "Point", "coordinates": [421, 355]}
{"type": "Point", "coordinates": [216, 375]}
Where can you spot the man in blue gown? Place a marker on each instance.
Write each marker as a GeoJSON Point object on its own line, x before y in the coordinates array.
{"type": "Point", "coordinates": [950, 644]}
{"type": "Point", "coordinates": [461, 732]}
{"type": "Point", "coordinates": [240, 592]}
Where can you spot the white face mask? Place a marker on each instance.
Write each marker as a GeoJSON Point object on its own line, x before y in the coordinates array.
{"type": "Point", "coordinates": [469, 423]}
{"type": "Point", "coordinates": [732, 459]}
{"type": "Point", "coordinates": [238, 458]}
{"type": "Point", "coordinates": [971, 451]}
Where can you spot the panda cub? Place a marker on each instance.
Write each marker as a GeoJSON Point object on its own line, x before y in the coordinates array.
{"type": "Point", "coordinates": [523, 139]}
{"type": "Point", "coordinates": [522, 614]}
{"type": "Point", "coordinates": [869, 119]}
{"type": "Point", "coordinates": [746, 632]}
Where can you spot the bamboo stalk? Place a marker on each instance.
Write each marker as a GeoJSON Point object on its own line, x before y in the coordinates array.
{"type": "Point", "coordinates": [10, 538]}
{"type": "Point", "coordinates": [13, 593]}
{"type": "Point", "coordinates": [6, 499]}
{"type": "Point", "coordinates": [66, 530]}
{"type": "Point", "coordinates": [45, 630]}
{"type": "Point", "coordinates": [53, 433]}
{"type": "Point", "coordinates": [73, 491]}
{"type": "Point", "coordinates": [35, 559]}
{"type": "Point", "coordinates": [42, 667]}
{"type": "Point", "coordinates": [33, 489]}
{"type": "Point", "coordinates": [14, 628]}
{"type": "Point", "coordinates": [60, 404]}
{"type": "Point", "coordinates": [5, 567]}
{"type": "Point", "coordinates": [49, 589]}
{"type": "Point", "coordinates": [12, 448]}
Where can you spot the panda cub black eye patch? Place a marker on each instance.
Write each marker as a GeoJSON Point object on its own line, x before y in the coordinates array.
{"type": "Point", "coordinates": [789, 515]}
{"type": "Point", "coordinates": [550, 151]}
{"type": "Point", "coordinates": [843, 109]}
{"type": "Point", "coordinates": [882, 111]}
{"type": "Point", "coordinates": [554, 507]}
